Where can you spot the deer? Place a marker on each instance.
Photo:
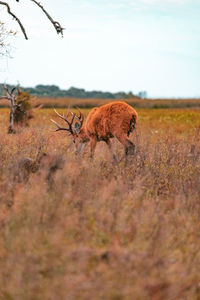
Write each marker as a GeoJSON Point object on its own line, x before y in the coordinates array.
{"type": "Point", "coordinates": [113, 120]}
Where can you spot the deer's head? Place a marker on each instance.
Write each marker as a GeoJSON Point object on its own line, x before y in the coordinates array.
{"type": "Point", "coordinates": [76, 131]}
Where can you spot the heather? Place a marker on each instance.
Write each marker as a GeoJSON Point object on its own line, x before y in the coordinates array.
{"type": "Point", "coordinates": [72, 227]}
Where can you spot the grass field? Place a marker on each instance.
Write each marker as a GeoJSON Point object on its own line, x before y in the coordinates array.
{"type": "Point", "coordinates": [76, 228]}
{"type": "Point", "coordinates": [135, 102]}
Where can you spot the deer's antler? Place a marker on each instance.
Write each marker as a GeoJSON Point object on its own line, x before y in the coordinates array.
{"type": "Point", "coordinates": [70, 123]}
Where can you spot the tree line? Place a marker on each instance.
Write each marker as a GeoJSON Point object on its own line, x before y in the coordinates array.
{"type": "Point", "coordinates": [73, 92]}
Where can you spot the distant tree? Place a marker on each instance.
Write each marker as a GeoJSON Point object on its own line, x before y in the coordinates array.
{"type": "Point", "coordinates": [59, 29]}
{"type": "Point", "coordinates": [51, 88]}
{"type": "Point", "coordinates": [130, 95]}
{"type": "Point", "coordinates": [120, 95]}
{"type": "Point", "coordinates": [54, 91]}
{"type": "Point", "coordinates": [142, 94]}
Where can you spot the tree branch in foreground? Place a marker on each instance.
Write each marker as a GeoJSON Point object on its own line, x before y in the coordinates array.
{"type": "Point", "coordinates": [16, 18]}
{"type": "Point", "coordinates": [57, 26]}
{"type": "Point", "coordinates": [59, 29]}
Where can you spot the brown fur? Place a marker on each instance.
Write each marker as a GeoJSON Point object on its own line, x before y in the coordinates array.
{"type": "Point", "coordinates": [115, 119]}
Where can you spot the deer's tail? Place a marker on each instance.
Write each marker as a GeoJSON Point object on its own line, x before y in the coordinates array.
{"type": "Point", "coordinates": [132, 124]}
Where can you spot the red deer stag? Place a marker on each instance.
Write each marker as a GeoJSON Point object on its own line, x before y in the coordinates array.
{"type": "Point", "coordinates": [115, 119]}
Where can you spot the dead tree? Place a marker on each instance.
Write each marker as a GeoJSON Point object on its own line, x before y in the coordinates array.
{"type": "Point", "coordinates": [21, 110]}
{"type": "Point", "coordinates": [59, 29]}
{"type": "Point", "coordinates": [11, 97]}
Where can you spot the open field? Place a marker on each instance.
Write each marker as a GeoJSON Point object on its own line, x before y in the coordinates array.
{"type": "Point", "coordinates": [135, 102]}
{"type": "Point", "coordinates": [75, 228]}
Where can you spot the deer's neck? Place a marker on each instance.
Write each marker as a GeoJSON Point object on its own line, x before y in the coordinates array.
{"type": "Point", "coordinates": [83, 134]}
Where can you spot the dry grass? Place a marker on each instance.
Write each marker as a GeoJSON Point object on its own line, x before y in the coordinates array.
{"type": "Point", "coordinates": [135, 102]}
{"type": "Point", "coordinates": [72, 228]}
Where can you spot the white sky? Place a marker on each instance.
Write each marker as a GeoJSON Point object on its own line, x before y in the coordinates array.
{"type": "Point", "coordinates": [109, 45]}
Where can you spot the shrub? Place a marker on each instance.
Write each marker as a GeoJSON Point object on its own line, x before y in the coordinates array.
{"type": "Point", "coordinates": [23, 112]}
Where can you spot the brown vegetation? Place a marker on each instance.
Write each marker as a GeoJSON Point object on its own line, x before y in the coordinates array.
{"type": "Point", "coordinates": [82, 229]}
{"type": "Point", "coordinates": [135, 102]}
{"type": "Point", "coordinates": [24, 108]}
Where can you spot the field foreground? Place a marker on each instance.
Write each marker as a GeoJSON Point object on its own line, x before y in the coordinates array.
{"type": "Point", "coordinates": [75, 228]}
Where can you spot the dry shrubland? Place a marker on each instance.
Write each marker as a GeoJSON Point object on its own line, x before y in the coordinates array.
{"type": "Point", "coordinates": [76, 228]}
{"type": "Point", "coordinates": [135, 102]}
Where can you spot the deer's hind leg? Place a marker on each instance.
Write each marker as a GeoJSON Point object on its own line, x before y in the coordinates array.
{"type": "Point", "coordinates": [129, 147]}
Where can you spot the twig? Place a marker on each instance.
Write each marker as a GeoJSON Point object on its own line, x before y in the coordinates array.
{"type": "Point", "coordinates": [57, 26]}
{"type": "Point", "coordinates": [4, 98]}
{"type": "Point", "coordinates": [15, 17]}
{"type": "Point", "coordinates": [59, 29]}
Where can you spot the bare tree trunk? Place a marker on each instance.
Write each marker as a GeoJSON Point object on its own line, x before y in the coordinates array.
{"type": "Point", "coordinates": [12, 112]}
{"type": "Point", "coordinates": [10, 96]}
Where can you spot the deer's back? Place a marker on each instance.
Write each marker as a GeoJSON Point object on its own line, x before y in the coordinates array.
{"type": "Point", "coordinates": [110, 120]}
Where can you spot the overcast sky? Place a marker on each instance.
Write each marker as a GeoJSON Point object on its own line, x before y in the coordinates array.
{"type": "Point", "coordinates": [109, 45]}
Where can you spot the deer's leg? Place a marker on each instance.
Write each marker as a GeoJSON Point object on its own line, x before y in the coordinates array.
{"type": "Point", "coordinates": [129, 146]}
{"type": "Point", "coordinates": [93, 143]}
{"type": "Point", "coordinates": [108, 143]}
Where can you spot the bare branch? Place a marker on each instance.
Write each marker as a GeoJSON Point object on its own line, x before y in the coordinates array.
{"type": "Point", "coordinates": [59, 29]}
{"type": "Point", "coordinates": [4, 98]}
{"type": "Point", "coordinates": [57, 26]}
{"type": "Point", "coordinates": [16, 18]}
{"type": "Point", "coordinates": [13, 89]}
